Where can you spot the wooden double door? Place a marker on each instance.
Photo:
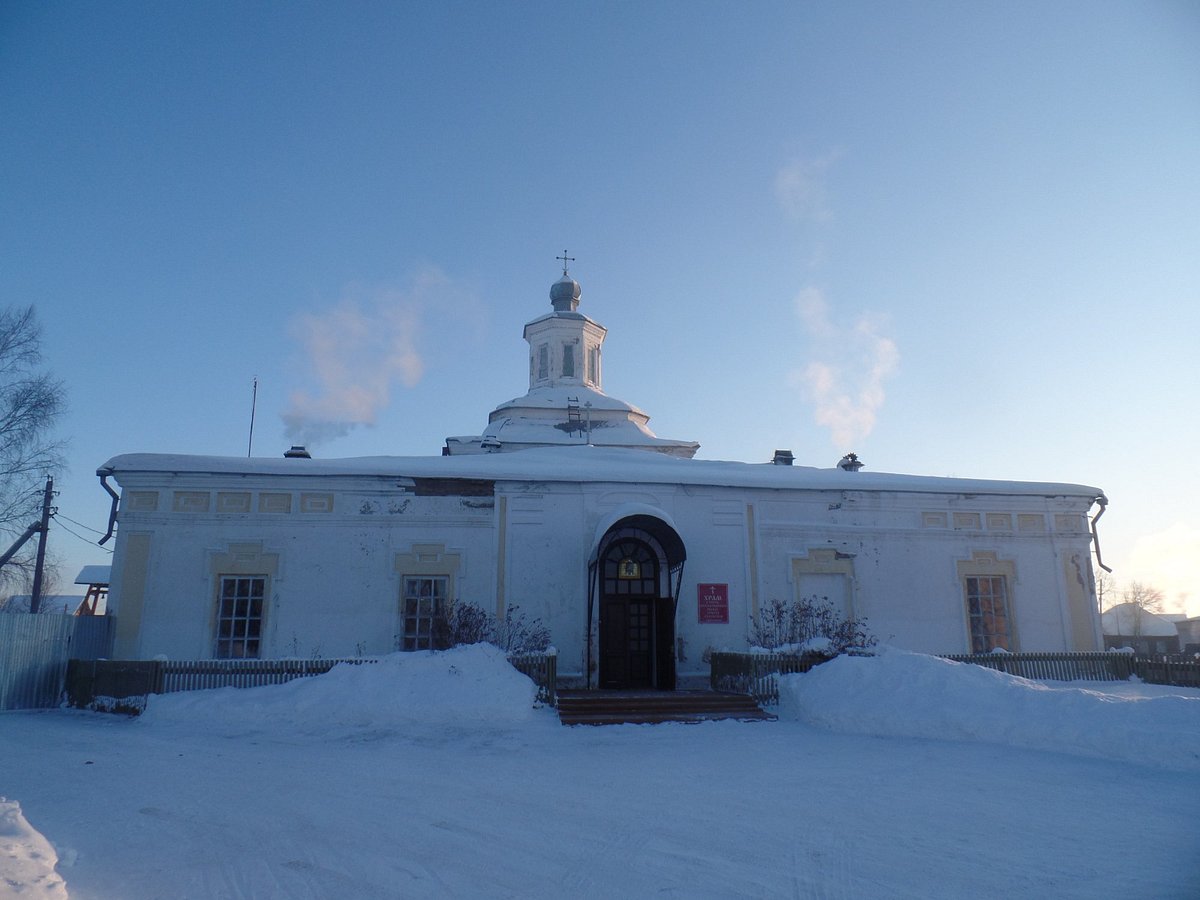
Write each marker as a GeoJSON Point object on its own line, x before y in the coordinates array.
{"type": "Point", "coordinates": [627, 643]}
{"type": "Point", "coordinates": [637, 622]}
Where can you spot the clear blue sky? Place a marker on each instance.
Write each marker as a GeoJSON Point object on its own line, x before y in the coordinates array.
{"type": "Point", "coordinates": [957, 238]}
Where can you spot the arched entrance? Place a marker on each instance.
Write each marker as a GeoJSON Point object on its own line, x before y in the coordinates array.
{"type": "Point", "coordinates": [635, 576]}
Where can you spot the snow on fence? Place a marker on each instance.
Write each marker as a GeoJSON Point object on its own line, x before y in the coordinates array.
{"type": "Point", "coordinates": [1082, 666]}
{"type": "Point", "coordinates": [756, 673]}
{"type": "Point", "coordinates": [121, 685]}
{"type": "Point", "coordinates": [34, 652]}
{"type": "Point", "coordinates": [1102, 665]}
{"type": "Point", "coordinates": [98, 683]}
{"type": "Point", "coordinates": [202, 674]}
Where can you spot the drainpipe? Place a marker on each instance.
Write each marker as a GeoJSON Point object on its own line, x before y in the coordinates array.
{"type": "Point", "coordinates": [1103, 501]}
{"type": "Point", "coordinates": [112, 513]}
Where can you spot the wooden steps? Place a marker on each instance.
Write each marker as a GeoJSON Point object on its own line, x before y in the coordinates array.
{"type": "Point", "coordinates": [649, 707]}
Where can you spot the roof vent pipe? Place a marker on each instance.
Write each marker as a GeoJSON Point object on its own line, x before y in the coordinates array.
{"type": "Point", "coordinates": [296, 452]}
{"type": "Point", "coordinates": [783, 458]}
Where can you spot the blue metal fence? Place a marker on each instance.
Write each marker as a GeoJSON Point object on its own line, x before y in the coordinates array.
{"type": "Point", "coordinates": [34, 650]}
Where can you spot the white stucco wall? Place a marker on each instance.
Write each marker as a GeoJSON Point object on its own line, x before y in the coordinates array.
{"type": "Point", "coordinates": [335, 586]}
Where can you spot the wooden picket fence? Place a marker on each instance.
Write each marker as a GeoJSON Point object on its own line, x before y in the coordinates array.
{"type": "Point", "coordinates": [1082, 666]}
{"type": "Point", "coordinates": [1100, 665]}
{"type": "Point", "coordinates": [1166, 670]}
{"type": "Point", "coordinates": [543, 669]}
{"type": "Point", "coordinates": [122, 685]}
{"type": "Point", "coordinates": [757, 673]}
{"type": "Point", "coordinates": [203, 674]}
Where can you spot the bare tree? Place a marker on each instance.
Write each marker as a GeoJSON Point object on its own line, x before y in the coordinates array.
{"type": "Point", "coordinates": [21, 583]}
{"type": "Point", "coordinates": [31, 402]}
{"type": "Point", "coordinates": [1142, 598]}
{"type": "Point", "coordinates": [1107, 595]}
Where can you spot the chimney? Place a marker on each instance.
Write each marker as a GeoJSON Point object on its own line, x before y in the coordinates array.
{"type": "Point", "coordinates": [849, 463]}
{"type": "Point", "coordinates": [296, 452]}
{"type": "Point", "coordinates": [783, 458]}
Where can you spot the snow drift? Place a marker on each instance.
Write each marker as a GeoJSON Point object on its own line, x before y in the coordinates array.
{"type": "Point", "coordinates": [27, 860]}
{"type": "Point", "coordinates": [431, 775]}
{"type": "Point", "coordinates": [467, 686]}
{"type": "Point", "coordinates": [902, 694]}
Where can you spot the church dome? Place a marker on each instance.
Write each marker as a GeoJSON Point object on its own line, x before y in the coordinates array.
{"type": "Point", "coordinates": [564, 294]}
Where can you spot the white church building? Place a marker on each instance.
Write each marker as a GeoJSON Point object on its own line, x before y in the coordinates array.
{"type": "Point", "coordinates": [638, 557]}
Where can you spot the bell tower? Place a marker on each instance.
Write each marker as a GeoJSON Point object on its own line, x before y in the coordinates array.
{"type": "Point", "coordinates": [565, 345]}
{"type": "Point", "coordinates": [565, 404]}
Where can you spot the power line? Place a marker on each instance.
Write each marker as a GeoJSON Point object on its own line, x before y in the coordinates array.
{"type": "Point", "coordinates": [86, 540]}
{"type": "Point", "coordinates": [59, 515]}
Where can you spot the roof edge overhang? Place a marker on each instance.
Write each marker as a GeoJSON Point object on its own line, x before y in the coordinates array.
{"type": "Point", "coordinates": [590, 464]}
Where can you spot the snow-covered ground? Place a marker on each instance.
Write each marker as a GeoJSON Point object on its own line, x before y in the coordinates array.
{"type": "Point", "coordinates": [431, 775]}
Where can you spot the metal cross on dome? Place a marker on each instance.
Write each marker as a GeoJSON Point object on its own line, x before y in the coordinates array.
{"type": "Point", "coordinates": [565, 259]}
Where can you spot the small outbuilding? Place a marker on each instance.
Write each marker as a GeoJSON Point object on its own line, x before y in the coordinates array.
{"type": "Point", "coordinates": [96, 579]}
{"type": "Point", "coordinates": [1130, 625]}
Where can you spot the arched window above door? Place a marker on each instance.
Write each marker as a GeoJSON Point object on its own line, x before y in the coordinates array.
{"type": "Point", "coordinates": [631, 568]}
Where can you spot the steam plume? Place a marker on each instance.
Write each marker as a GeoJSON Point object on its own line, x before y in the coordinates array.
{"type": "Point", "coordinates": [800, 187]}
{"type": "Point", "coordinates": [845, 378]}
{"type": "Point", "coordinates": [357, 351]}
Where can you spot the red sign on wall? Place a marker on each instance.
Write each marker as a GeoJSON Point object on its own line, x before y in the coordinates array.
{"type": "Point", "coordinates": [712, 604]}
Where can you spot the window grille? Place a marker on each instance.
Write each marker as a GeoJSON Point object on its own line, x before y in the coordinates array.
{"type": "Point", "coordinates": [423, 603]}
{"type": "Point", "coordinates": [240, 616]}
{"type": "Point", "coordinates": [987, 612]}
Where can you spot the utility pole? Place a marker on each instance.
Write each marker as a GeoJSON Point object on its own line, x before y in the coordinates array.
{"type": "Point", "coordinates": [35, 599]}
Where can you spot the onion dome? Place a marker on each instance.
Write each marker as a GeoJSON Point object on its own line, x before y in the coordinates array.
{"type": "Point", "coordinates": [564, 294]}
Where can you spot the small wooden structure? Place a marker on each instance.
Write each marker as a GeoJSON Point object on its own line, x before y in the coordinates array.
{"type": "Point", "coordinates": [95, 601]}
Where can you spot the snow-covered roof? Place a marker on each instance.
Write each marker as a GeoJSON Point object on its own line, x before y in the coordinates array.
{"type": "Point", "coordinates": [526, 432]}
{"type": "Point", "coordinates": [1130, 619]}
{"type": "Point", "coordinates": [589, 464]}
{"type": "Point", "coordinates": [556, 415]}
{"type": "Point", "coordinates": [94, 575]}
{"type": "Point", "coordinates": [557, 397]}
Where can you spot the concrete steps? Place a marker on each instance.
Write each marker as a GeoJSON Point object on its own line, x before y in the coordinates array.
{"type": "Point", "coordinates": [649, 707]}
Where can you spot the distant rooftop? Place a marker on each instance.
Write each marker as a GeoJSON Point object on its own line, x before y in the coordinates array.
{"type": "Point", "coordinates": [94, 575]}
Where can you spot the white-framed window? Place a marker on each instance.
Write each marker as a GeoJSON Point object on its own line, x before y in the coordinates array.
{"type": "Point", "coordinates": [543, 370]}
{"type": "Point", "coordinates": [988, 613]}
{"type": "Point", "coordinates": [421, 606]}
{"type": "Point", "coordinates": [568, 367]}
{"type": "Point", "coordinates": [593, 364]}
{"type": "Point", "coordinates": [240, 616]}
